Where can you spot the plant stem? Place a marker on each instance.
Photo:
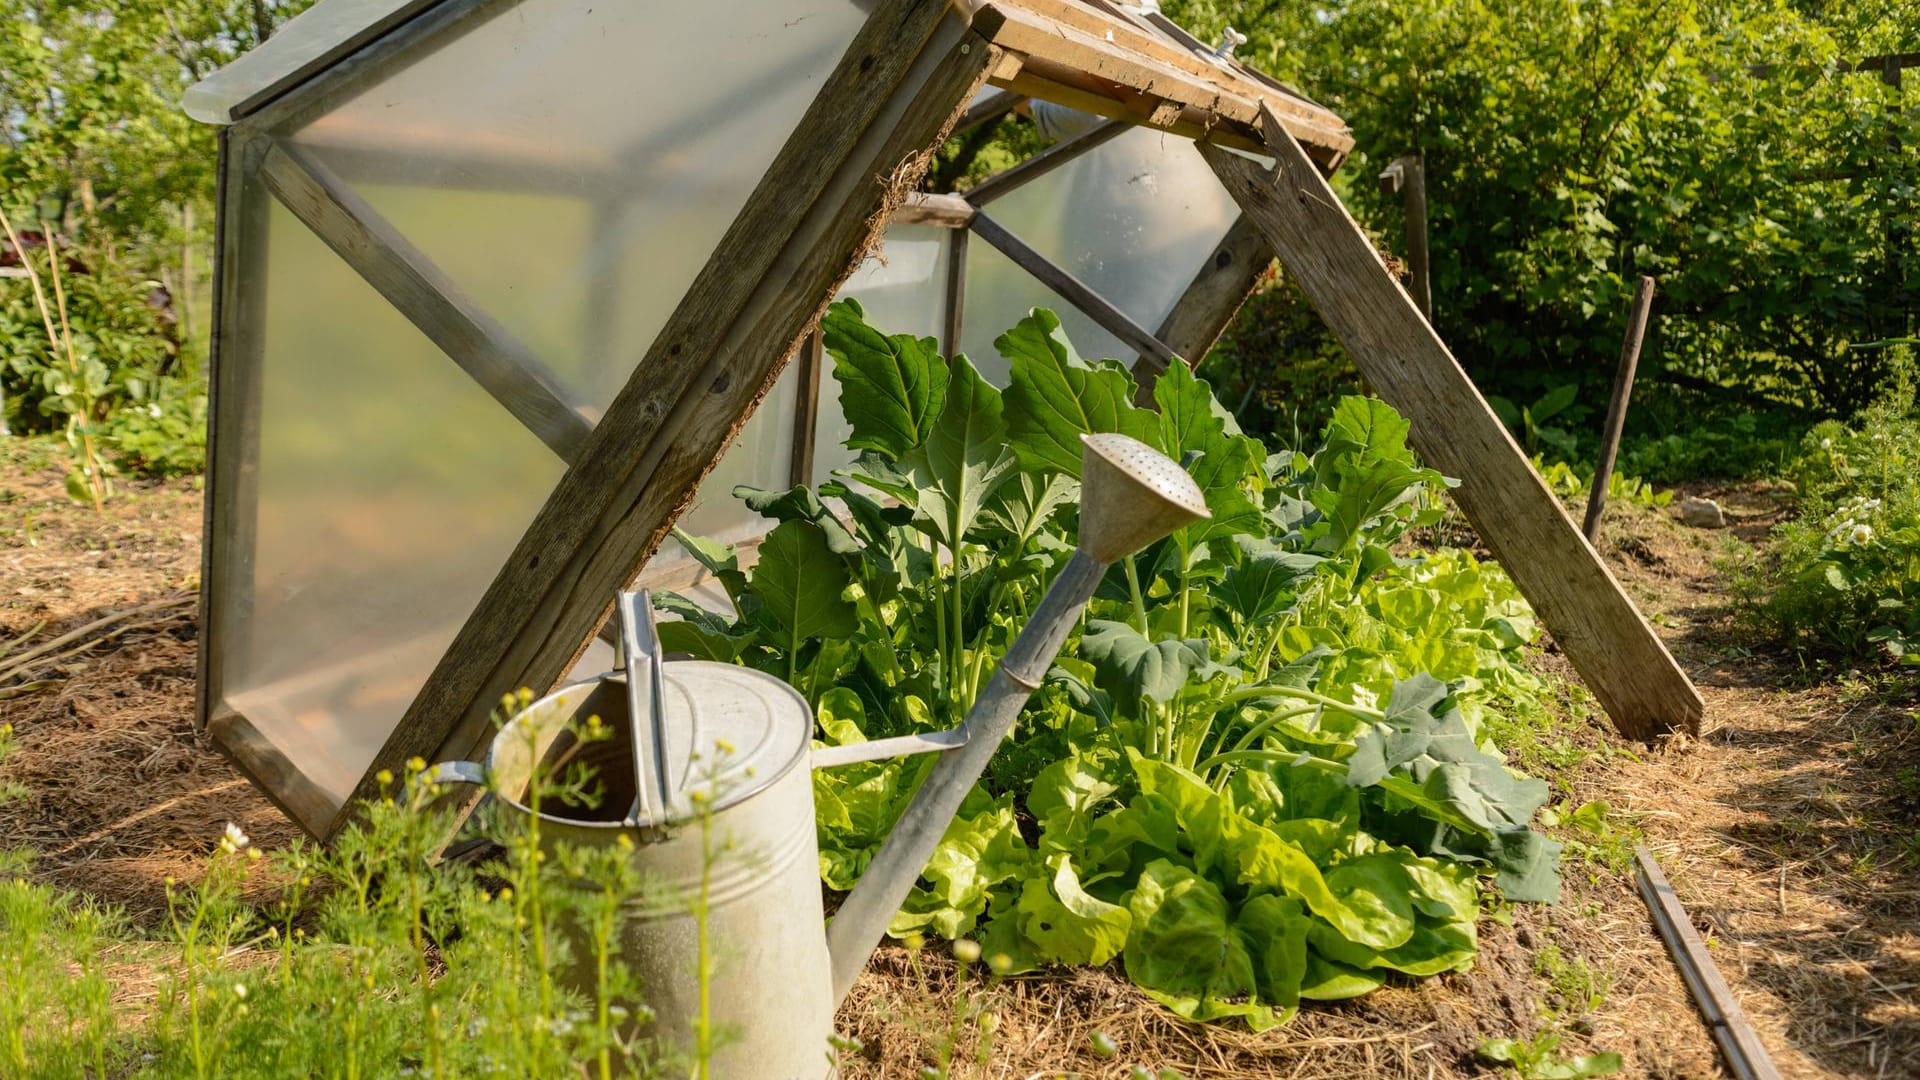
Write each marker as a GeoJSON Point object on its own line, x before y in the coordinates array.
{"type": "Point", "coordinates": [1139, 601]}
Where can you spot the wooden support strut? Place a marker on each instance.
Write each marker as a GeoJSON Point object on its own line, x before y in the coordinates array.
{"type": "Point", "coordinates": [1618, 655]}
{"type": "Point", "coordinates": [429, 298]}
{"type": "Point", "coordinates": [864, 138]}
{"type": "Point", "coordinates": [1072, 289]}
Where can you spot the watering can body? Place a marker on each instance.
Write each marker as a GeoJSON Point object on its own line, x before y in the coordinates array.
{"type": "Point", "coordinates": [742, 746]}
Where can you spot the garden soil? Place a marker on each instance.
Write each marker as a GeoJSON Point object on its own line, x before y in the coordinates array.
{"type": "Point", "coordinates": [1788, 828]}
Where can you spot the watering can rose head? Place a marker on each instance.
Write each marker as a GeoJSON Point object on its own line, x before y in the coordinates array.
{"type": "Point", "coordinates": [1131, 495]}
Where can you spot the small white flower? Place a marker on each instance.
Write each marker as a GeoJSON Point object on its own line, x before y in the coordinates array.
{"type": "Point", "coordinates": [240, 991]}
{"type": "Point", "coordinates": [1861, 534]}
{"type": "Point", "coordinates": [1826, 444]}
{"type": "Point", "coordinates": [153, 410]}
{"type": "Point", "coordinates": [233, 839]}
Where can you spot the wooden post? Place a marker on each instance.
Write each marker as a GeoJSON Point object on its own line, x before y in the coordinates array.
{"type": "Point", "coordinates": [1617, 407]}
{"type": "Point", "coordinates": [806, 412]}
{"type": "Point", "coordinates": [1202, 313]}
{"type": "Point", "coordinates": [1408, 177]}
{"type": "Point", "coordinates": [1616, 652]}
{"type": "Point", "coordinates": [1746, 1055]}
{"type": "Point", "coordinates": [956, 292]}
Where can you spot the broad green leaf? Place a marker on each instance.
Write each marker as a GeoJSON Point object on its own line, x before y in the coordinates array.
{"type": "Point", "coordinates": [1067, 926]}
{"type": "Point", "coordinates": [1053, 397]}
{"type": "Point", "coordinates": [717, 559]}
{"type": "Point", "coordinates": [1276, 929]}
{"type": "Point", "coordinates": [799, 503]}
{"type": "Point", "coordinates": [891, 388]}
{"type": "Point", "coordinates": [1132, 668]}
{"type": "Point", "coordinates": [1023, 505]}
{"type": "Point", "coordinates": [1265, 579]}
{"type": "Point", "coordinates": [1184, 951]}
{"type": "Point", "coordinates": [965, 458]}
{"type": "Point", "coordinates": [1364, 469]}
{"type": "Point", "coordinates": [799, 581]}
{"type": "Point", "coordinates": [1193, 431]}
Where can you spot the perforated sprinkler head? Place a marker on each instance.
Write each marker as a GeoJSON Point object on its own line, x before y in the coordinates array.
{"type": "Point", "coordinates": [1131, 495]}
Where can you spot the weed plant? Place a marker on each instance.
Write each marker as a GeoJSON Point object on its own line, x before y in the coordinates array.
{"type": "Point", "coordinates": [1843, 576]}
{"type": "Point", "coordinates": [365, 962]}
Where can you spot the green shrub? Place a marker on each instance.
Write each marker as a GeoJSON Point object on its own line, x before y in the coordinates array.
{"type": "Point", "coordinates": [1844, 574]}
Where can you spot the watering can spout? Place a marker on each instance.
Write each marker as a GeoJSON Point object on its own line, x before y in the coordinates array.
{"type": "Point", "coordinates": [1130, 496]}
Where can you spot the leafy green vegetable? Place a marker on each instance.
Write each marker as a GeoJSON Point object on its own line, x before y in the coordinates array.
{"type": "Point", "coordinates": [1257, 774]}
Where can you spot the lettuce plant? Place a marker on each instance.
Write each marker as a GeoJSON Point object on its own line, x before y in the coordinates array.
{"type": "Point", "coordinates": [1256, 774]}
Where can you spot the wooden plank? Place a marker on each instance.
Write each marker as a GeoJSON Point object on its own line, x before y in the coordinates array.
{"type": "Point", "coordinates": [277, 777]}
{"type": "Point", "coordinates": [1746, 1055]}
{"type": "Point", "coordinates": [431, 300]}
{"type": "Point", "coordinates": [1071, 289]}
{"type": "Point", "coordinates": [1407, 178]}
{"type": "Point", "coordinates": [1026, 172]}
{"type": "Point", "coordinates": [1161, 48]}
{"type": "Point", "coordinates": [956, 306]}
{"type": "Point", "coordinates": [860, 145]}
{"type": "Point", "coordinates": [806, 410]}
{"type": "Point", "coordinates": [233, 427]}
{"type": "Point", "coordinates": [1617, 408]}
{"type": "Point", "coordinates": [1595, 624]}
{"type": "Point", "coordinates": [944, 211]}
{"type": "Point", "coordinates": [1203, 311]}
{"type": "Point", "coordinates": [1066, 54]}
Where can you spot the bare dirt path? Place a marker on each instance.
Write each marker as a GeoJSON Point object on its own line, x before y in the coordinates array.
{"type": "Point", "coordinates": [1791, 828]}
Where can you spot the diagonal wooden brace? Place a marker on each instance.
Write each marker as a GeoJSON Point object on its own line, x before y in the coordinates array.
{"type": "Point", "coordinates": [1595, 624]}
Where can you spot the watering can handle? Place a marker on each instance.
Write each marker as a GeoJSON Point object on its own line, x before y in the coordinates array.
{"type": "Point", "coordinates": [640, 655]}
{"type": "Point", "coordinates": [457, 772]}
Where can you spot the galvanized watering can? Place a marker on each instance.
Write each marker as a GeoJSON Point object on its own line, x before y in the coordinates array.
{"type": "Point", "coordinates": [713, 754]}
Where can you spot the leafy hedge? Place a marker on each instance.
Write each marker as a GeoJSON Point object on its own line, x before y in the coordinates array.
{"type": "Point", "coordinates": [1257, 773]}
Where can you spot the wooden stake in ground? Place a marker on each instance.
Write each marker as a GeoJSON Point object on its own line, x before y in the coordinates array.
{"type": "Point", "coordinates": [1746, 1056]}
{"type": "Point", "coordinates": [1616, 652]}
{"type": "Point", "coordinates": [1617, 407]}
{"type": "Point", "coordinates": [1407, 176]}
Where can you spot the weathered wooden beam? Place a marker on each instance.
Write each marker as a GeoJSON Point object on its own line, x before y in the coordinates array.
{"type": "Point", "coordinates": [1618, 655]}
{"type": "Point", "coordinates": [1203, 311]}
{"type": "Point", "coordinates": [277, 777]}
{"type": "Point", "coordinates": [1026, 172]}
{"type": "Point", "coordinates": [1072, 289]}
{"type": "Point", "coordinates": [429, 298]}
{"type": "Point", "coordinates": [956, 307]}
{"type": "Point", "coordinates": [1407, 178]}
{"type": "Point", "coordinates": [992, 107]}
{"type": "Point", "coordinates": [806, 409]}
{"type": "Point", "coordinates": [864, 140]}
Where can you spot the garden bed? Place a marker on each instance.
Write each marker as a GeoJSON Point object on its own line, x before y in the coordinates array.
{"type": "Point", "coordinates": [1786, 828]}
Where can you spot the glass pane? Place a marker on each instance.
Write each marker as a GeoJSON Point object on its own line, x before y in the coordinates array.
{"type": "Point", "coordinates": [572, 163]}
{"type": "Point", "coordinates": [389, 489]}
{"type": "Point", "coordinates": [1134, 219]}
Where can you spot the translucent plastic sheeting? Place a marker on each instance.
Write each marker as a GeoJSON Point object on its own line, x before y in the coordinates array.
{"type": "Point", "coordinates": [902, 288]}
{"type": "Point", "coordinates": [389, 489]}
{"type": "Point", "coordinates": [307, 38]}
{"type": "Point", "coordinates": [1133, 218]}
{"type": "Point", "coordinates": [571, 163]}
